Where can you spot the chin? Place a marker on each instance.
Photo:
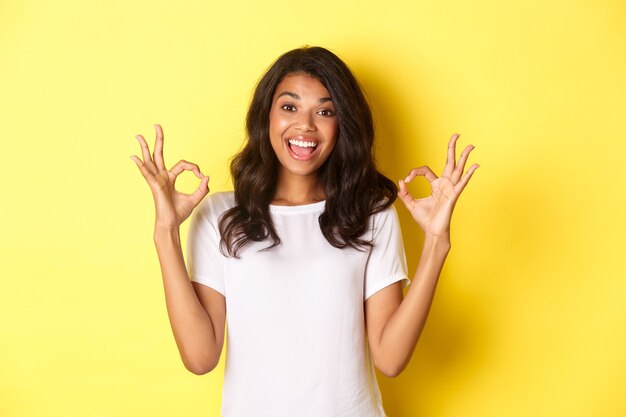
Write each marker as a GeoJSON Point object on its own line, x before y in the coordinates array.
{"type": "Point", "coordinates": [299, 171]}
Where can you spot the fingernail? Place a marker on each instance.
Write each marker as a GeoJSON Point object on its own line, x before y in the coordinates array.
{"type": "Point", "coordinates": [407, 179]}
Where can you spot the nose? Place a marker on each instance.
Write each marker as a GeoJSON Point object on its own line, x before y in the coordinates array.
{"type": "Point", "coordinates": [305, 122]}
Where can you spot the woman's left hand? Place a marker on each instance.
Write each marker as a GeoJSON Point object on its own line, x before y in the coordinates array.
{"type": "Point", "coordinates": [434, 212]}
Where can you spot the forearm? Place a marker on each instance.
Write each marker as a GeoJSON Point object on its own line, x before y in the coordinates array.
{"type": "Point", "coordinates": [402, 331]}
{"type": "Point", "coordinates": [190, 322]}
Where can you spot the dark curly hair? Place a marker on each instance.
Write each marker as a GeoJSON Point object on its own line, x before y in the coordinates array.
{"type": "Point", "coordinates": [353, 186]}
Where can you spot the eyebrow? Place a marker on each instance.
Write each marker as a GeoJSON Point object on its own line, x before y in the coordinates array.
{"type": "Point", "coordinates": [297, 97]}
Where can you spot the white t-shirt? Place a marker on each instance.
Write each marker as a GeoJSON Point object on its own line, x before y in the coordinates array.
{"type": "Point", "coordinates": [296, 336]}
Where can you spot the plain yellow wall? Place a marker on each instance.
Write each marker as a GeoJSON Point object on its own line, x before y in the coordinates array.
{"type": "Point", "coordinates": [529, 315]}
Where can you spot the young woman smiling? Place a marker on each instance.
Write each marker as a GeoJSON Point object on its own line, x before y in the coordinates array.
{"type": "Point", "coordinates": [304, 259]}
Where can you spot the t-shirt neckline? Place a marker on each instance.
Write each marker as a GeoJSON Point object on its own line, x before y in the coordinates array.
{"type": "Point", "coordinates": [303, 208]}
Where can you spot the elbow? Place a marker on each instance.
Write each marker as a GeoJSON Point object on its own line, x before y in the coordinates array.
{"type": "Point", "coordinates": [390, 370]}
{"type": "Point", "coordinates": [199, 366]}
{"type": "Point", "coordinates": [199, 369]}
{"type": "Point", "coordinates": [197, 359]}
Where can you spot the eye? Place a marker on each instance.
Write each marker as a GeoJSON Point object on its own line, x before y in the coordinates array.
{"type": "Point", "coordinates": [288, 107]}
{"type": "Point", "coordinates": [326, 112]}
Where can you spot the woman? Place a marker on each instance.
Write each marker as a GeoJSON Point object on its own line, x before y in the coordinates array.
{"type": "Point", "coordinates": [305, 254]}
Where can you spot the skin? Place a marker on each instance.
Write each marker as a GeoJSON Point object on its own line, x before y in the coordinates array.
{"type": "Point", "coordinates": [300, 109]}
{"type": "Point", "coordinates": [394, 324]}
{"type": "Point", "coordinates": [196, 312]}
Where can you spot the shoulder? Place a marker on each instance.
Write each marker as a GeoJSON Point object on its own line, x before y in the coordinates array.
{"type": "Point", "coordinates": [216, 203]}
{"type": "Point", "coordinates": [386, 214]}
{"type": "Point", "coordinates": [386, 219]}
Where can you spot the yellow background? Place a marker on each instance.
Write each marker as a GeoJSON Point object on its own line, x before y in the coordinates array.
{"type": "Point", "coordinates": [529, 315]}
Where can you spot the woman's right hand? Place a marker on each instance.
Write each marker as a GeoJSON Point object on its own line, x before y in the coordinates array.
{"type": "Point", "coordinates": [172, 206]}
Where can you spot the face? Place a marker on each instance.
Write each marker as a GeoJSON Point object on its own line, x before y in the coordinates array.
{"type": "Point", "coordinates": [303, 125]}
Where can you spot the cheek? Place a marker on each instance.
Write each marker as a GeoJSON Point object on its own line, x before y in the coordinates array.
{"type": "Point", "coordinates": [331, 129]}
{"type": "Point", "coordinates": [275, 132]}
{"type": "Point", "coordinates": [278, 122]}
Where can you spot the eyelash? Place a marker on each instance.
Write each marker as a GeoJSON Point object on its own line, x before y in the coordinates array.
{"type": "Point", "coordinates": [287, 107]}
{"type": "Point", "coordinates": [290, 108]}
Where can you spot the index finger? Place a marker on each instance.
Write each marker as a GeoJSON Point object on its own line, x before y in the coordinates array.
{"type": "Point", "coordinates": [451, 161]}
{"type": "Point", "coordinates": [158, 148]}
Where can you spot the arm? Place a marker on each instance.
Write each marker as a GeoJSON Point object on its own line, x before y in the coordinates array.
{"type": "Point", "coordinates": [196, 313]}
{"type": "Point", "coordinates": [393, 324]}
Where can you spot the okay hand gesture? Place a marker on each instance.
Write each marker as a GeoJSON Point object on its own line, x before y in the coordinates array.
{"type": "Point", "coordinates": [434, 212]}
{"type": "Point", "coordinates": [172, 206]}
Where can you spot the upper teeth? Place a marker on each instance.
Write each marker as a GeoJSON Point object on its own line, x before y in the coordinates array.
{"type": "Point", "coordinates": [302, 143]}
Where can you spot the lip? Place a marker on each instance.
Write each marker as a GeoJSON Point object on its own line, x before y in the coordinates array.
{"type": "Point", "coordinates": [305, 139]}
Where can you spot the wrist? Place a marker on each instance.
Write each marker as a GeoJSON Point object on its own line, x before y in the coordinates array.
{"type": "Point", "coordinates": [166, 233]}
{"type": "Point", "coordinates": [439, 240]}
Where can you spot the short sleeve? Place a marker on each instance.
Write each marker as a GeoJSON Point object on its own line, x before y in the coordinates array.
{"type": "Point", "coordinates": [386, 263]}
{"type": "Point", "coordinates": [205, 262]}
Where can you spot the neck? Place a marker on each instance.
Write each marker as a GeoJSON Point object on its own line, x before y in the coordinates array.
{"type": "Point", "coordinates": [297, 190]}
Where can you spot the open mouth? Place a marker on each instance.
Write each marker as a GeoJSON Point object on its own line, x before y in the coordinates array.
{"type": "Point", "coordinates": [301, 149]}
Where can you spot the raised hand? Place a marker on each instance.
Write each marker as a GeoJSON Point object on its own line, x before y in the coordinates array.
{"type": "Point", "coordinates": [172, 206]}
{"type": "Point", "coordinates": [434, 212]}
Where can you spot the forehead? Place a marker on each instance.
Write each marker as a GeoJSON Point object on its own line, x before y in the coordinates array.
{"type": "Point", "coordinates": [303, 85]}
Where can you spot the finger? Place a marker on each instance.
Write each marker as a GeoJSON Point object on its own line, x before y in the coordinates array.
{"type": "Point", "coordinates": [423, 171]}
{"type": "Point", "coordinates": [201, 191]}
{"type": "Point", "coordinates": [147, 159]}
{"type": "Point", "coordinates": [458, 171]}
{"type": "Point", "coordinates": [146, 174]}
{"type": "Point", "coordinates": [158, 148]}
{"type": "Point", "coordinates": [183, 165]}
{"type": "Point", "coordinates": [404, 194]}
{"type": "Point", "coordinates": [451, 161]}
{"type": "Point", "coordinates": [460, 186]}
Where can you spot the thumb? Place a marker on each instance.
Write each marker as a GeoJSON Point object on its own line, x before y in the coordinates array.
{"type": "Point", "coordinates": [404, 195]}
{"type": "Point", "coordinates": [201, 191]}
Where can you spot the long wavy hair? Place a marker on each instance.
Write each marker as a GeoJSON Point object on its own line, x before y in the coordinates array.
{"type": "Point", "coordinates": [353, 186]}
